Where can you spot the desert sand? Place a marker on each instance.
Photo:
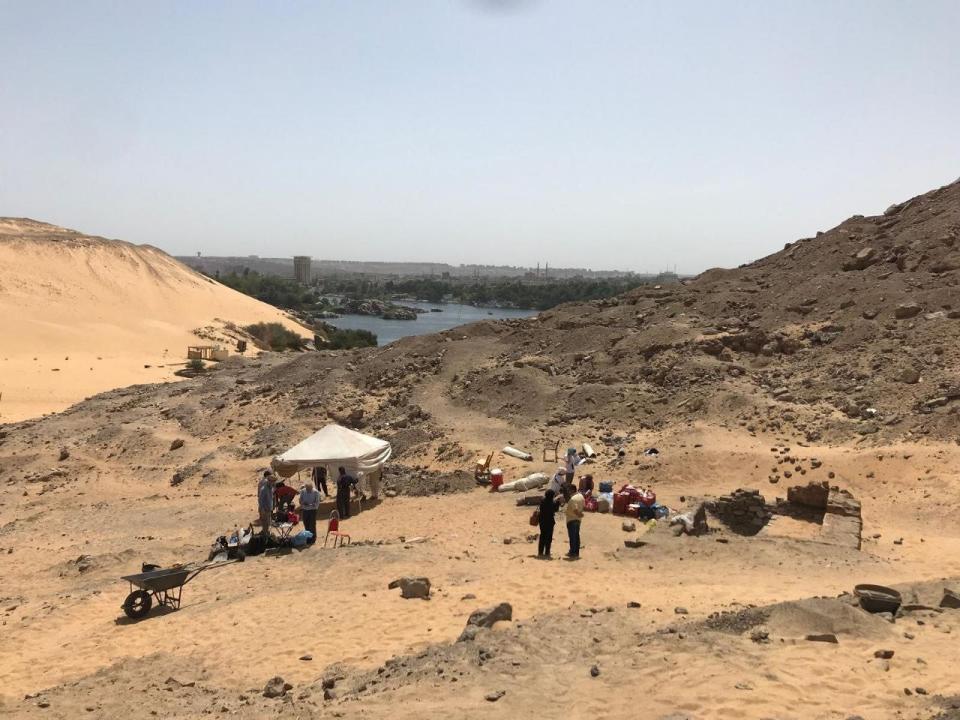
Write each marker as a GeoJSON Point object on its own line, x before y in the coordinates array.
{"type": "Point", "coordinates": [80, 314]}
{"type": "Point", "coordinates": [833, 361]}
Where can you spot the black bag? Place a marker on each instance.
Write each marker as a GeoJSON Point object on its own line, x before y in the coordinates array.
{"type": "Point", "coordinates": [256, 546]}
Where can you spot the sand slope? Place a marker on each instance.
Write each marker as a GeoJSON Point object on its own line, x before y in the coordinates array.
{"type": "Point", "coordinates": [81, 314]}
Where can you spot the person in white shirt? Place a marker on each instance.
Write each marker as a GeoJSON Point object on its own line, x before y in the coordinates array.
{"type": "Point", "coordinates": [558, 481]}
{"type": "Point", "coordinates": [309, 504]}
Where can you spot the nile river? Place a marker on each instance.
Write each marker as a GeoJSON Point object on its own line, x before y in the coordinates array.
{"type": "Point", "coordinates": [429, 322]}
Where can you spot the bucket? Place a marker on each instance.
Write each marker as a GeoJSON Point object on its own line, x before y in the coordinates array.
{"type": "Point", "coordinates": [496, 479]}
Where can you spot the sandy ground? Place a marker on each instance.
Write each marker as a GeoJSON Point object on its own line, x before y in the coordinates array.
{"type": "Point", "coordinates": [83, 315]}
{"type": "Point", "coordinates": [242, 624]}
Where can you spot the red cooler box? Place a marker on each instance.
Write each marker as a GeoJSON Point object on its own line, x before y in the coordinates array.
{"type": "Point", "coordinates": [496, 479]}
{"type": "Point", "coordinates": [621, 501]}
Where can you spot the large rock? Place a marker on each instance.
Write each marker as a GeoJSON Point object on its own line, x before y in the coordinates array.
{"type": "Point", "coordinates": [412, 587]}
{"type": "Point", "coordinates": [862, 260]}
{"type": "Point", "coordinates": [909, 375]}
{"type": "Point", "coordinates": [905, 311]}
{"type": "Point", "coordinates": [276, 687]}
{"type": "Point", "coordinates": [485, 618]}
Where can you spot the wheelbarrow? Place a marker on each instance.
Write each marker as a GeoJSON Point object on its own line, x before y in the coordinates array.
{"type": "Point", "coordinates": [165, 585]}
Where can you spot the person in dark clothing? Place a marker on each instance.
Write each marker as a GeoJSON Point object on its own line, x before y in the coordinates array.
{"type": "Point", "coordinates": [344, 484]}
{"type": "Point", "coordinates": [548, 509]}
{"type": "Point", "coordinates": [319, 477]}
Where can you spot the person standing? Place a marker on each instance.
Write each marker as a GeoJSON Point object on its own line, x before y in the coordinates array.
{"type": "Point", "coordinates": [344, 484]}
{"type": "Point", "coordinates": [309, 504]}
{"type": "Point", "coordinates": [319, 477]}
{"type": "Point", "coordinates": [558, 481]}
{"type": "Point", "coordinates": [574, 515]}
{"type": "Point", "coordinates": [572, 460]}
{"type": "Point", "coordinates": [265, 501]}
{"type": "Point", "coordinates": [548, 519]}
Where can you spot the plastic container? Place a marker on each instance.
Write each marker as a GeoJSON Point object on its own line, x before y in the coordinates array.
{"type": "Point", "coordinates": [621, 501]}
{"type": "Point", "coordinates": [496, 479]}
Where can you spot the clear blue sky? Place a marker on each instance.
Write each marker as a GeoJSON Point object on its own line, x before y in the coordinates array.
{"type": "Point", "coordinates": [612, 134]}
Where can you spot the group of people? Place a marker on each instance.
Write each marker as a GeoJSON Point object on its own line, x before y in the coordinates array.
{"type": "Point", "coordinates": [563, 492]}
{"type": "Point", "coordinates": [277, 502]}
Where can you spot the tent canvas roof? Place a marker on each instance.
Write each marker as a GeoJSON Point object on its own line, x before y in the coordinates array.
{"type": "Point", "coordinates": [337, 445]}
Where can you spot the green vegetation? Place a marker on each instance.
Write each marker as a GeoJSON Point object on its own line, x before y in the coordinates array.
{"type": "Point", "coordinates": [195, 364]}
{"type": "Point", "coordinates": [276, 336]}
{"type": "Point", "coordinates": [338, 339]}
{"type": "Point", "coordinates": [277, 291]}
{"type": "Point", "coordinates": [502, 292]}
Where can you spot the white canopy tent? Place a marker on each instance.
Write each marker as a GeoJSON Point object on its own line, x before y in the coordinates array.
{"type": "Point", "coordinates": [335, 446]}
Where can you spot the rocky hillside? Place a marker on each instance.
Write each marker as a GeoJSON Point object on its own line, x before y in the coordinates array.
{"type": "Point", "coordinates": [848, 335]}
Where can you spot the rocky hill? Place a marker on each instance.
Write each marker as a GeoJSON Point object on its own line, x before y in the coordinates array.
{"type": "Point", "coordinates": [851, 335]}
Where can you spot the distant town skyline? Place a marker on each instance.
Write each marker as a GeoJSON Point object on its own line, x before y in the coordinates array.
{"type": "Point", "coordinates": [616, 135]}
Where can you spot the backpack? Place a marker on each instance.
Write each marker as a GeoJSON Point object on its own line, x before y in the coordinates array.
{"type": "Point", "coordinates": [535, 517]}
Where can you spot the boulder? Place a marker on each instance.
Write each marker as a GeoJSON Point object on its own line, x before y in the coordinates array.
{"type": "Point", "coordinates": [64, 454]}
{"type": "Point", "coordinates": [905, 311]}
{"type": "Point", "coordinates": [412, 587]}
{"type": "Point", "coordinates": [276, 687]}
{"type": "Point", "coordinates": [950, 599]}
{"type": "Point", "coordinates": [485, 618]}
{"type": "Point", "coordinates": [910, 376]}
{"type": "Point", "coordinates": [176, 444]}
{"type": "Point", "coordinates": [863, 259]}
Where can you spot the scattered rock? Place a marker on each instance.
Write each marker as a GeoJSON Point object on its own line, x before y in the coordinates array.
{"type": "Point", "coordinates": [176, 444]}
{"type": "Point", "coordinates": [883, 654]}
{"type": "Point", "coordinates": [681, 611]}
{"type": "Point", "coordinates": [904, 311]}
{"type": "Point", "coordinates": [412, 587]}
{"type": "Point", "coordinates": [64, 454]}
{"type": "Point", "coordinates": [306, 658]}
{"type": "Point", "coordinates": [909, 376]}
{"type": "Point", "coordinates": [594, 671]}
{"type": "Point", "coordinates": [494, 696]}
{"type": "Point", "coordinates": [485, 618]}
{"type": "Point", "coordinates": [950, 599]}
{"type": "Point", "coordinates": [634, 604]}
{"type": "Point", "coordinates": [628, 526]}
{"type": "Point", "coordinates": [823, 637]}
{"type": "Point", "coordinates": [276, 687]}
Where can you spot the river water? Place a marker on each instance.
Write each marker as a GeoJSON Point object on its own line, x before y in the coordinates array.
{"type": "Point", "coordinates": [429, 322]}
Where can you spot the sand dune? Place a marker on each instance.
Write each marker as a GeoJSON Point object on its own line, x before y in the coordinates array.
{"type": "Point", "coordinates": [81, 314]}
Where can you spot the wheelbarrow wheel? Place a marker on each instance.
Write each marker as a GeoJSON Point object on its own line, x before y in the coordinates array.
{"type": "Point", "coordinates": [137, 604]}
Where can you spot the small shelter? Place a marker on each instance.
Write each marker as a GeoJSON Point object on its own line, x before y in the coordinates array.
{"type": "Point", "coordinates": [332, 447]}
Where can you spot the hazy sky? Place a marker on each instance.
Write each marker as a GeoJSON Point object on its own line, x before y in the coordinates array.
{"type": "Point", "coordinates": [609, 134]}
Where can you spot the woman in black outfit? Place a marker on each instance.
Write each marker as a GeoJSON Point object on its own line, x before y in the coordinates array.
{"type": "Point", "coordinates": [548, 509]}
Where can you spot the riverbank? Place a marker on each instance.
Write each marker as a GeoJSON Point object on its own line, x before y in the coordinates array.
{"type": "Point", "coordinates": [427, 320]}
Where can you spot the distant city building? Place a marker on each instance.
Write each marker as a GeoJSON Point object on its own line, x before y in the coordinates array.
{"type": "Point", "coordinates": [301, 269]}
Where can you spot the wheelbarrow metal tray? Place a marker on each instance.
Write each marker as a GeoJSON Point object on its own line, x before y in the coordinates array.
{"type": "Point", "coordinates": [162, 579]}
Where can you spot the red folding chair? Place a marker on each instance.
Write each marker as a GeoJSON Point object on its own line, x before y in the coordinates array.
{"type": "Point", "coordinates": [333, 528]}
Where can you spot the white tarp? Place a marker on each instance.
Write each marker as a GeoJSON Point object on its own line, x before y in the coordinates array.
{"type": "Point", "coordinates": [334, 446]}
